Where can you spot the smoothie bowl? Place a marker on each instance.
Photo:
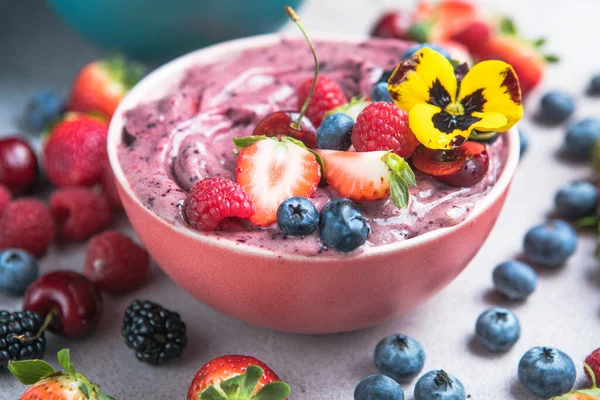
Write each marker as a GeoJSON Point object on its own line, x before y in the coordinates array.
{"type": "Point", "coordinates": [175, 129]}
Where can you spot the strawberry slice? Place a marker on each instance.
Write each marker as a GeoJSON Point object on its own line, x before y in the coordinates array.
{"type": "Point", "coordinates": [365, 176]}
{"type": "Point", "coordinates": [271, 171]}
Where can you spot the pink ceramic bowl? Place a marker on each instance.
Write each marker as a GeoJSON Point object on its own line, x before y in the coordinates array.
{"type": "Point", "coordinates": [319, 294]}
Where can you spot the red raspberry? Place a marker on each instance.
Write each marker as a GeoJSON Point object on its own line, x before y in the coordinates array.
{"type": "Point", "coordinates": [75, 153]}
{"type": "Point", "coordinates": [327, 95]}
{"type": "Point", "coordinates": [593, 360]}
{"type": "Point", "coordinates": [5, 197]}
{"type": "Point", "coordinates": [115, 263]}
{"type": "Point", "coordinates": [27, 224]}
{"type": "Point", "coordinates": [109, 187]}
{"type": "Point", "coordinates": [80, 212]}
{"type": "Point", "coordinates": [383, 126]}
{"type": "Point", "coordinates": [214, 199]}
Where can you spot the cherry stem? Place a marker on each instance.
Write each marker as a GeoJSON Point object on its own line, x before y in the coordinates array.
{"type": "Point", "coordinates": [49, 318]}
{"type": "Point", "coordinates": [296, 19]}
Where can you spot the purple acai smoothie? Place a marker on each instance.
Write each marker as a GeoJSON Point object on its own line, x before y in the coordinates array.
{"type": "Point", "coordinates": [170, 144]}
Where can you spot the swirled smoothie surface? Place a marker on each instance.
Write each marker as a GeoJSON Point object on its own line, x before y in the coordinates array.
{"type": "Point", "coordinates": [170, 144]}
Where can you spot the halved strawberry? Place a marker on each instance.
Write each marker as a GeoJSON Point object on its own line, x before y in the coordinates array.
{"type": "Point", "coordinates": [271, 171]}
{"type": "Point", "coordinates": [364, 176]}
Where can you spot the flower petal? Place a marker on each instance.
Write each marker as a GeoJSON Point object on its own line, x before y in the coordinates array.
{"type": "Point", "coordinates": [489, 121]}
{"type": "Point", "coordinates": [438, 130]}
{"type": "Point", "coordinates": [492, 87]}
{"type": "Point", "coordinates": [425, 77]}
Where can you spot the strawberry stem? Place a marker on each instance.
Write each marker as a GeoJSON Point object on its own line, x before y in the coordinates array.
{"type": "Point", "coordinates": [49, 318]}
{"type": "Point", "coordinates": [296, 19]}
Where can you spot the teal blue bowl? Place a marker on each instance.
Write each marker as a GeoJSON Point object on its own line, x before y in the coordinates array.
{"type": "Point", "coordinates": [157, 30]}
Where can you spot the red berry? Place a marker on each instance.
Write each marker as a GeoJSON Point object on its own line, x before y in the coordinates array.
{"type": "Point", "coordinates": [475, 36]}
{"type": "Point", "coordinates": [327, 95]}
{"type": "Point", "coordinates": [80, 212]}
{"type": "Point", "coordinates": [75, 153]}
{"type": "Point", "coordinates": [27, 224]}
{"type": "Point", "coordinates": [393, 24]}
{"type": "Point", "coordinates": [280, 123]}
{"type": "Point", "coordinates": [5, 197]}
{"type": "Point", "coordinates": [109, 187]}
{"type": "Point", "coordinates": [593, 360]}
{"type": "Point", "coordinates": [18, 164]}
{"type": "Point", "coordinates": [71, 296]}
{"type": "Point", "coordinates": [383, 126]}
{"type": "Point", "coordinates": [214, 199]}
{"type": "Point", "coordinates": [115, 263]}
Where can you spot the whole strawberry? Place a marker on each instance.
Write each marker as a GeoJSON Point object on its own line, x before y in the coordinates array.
{"type": "Point", "coordinates": [237, 377]}
{"type": "Point", "coordinates": [47, 384]}
{"type": "Point", "coordinates": [75, 152]}
{"type": "Point", "coordinates": [100, 86]}
{"type": "Point", "coordinates": [326, 96]}
{"type": "Point", "coordinates": [28, 225]}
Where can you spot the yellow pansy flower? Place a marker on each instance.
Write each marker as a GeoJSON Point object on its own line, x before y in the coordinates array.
{"type": "Point", "coordinates": [443, 110]}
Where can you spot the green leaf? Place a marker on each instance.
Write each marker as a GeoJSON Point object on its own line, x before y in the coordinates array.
{"type": "Point", "coordinates": [29, 372]}
{"type": "Point", "coordinates": [64, 359]}
{"type": "Point", "coordinates": [420, 32]}
{"type": "Point", "coordinates": [85, 390]}
{"type": "Point", "coordinates": [398, 166]}
{"type": "Point", "coordinates": [274, 391]}
{"type": "Point", "coordinates": [399, 191]}
{"type": "Point", "coordinates": [591, 221]}
{"type": "Point", "coordinates": [551, 58]}
{"type": "Point", "coordinates": [539, 42]}
{"type": "Point", "coordinates": [211, 393]}
{"type": "Point", "coordinates": [102, 396]}
{"type": "Point", "coordinates": [251, 378]}
{"type": "Point", "coordinates": [314, 153]}
{"type": "Point", "coordinates": [247, 141]}
{"type": "Point", "coordinates": [477, 136]}
{"type": "Point", "coordinates": [351, 109]}
{"type": "Point", "coordinates": [232, 385]}
{"type": "Point", "coordinates": [508, 27]}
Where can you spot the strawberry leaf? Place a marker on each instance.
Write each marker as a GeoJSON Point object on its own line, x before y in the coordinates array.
{"type": "Point", "coordinates": [85, 390]}
{"type": "Point", "coordinates": [247, 141]}
{"type": "Point", "coordinates": [29, 372]}
{"type": "Point", "coordinates": [538, 43]}
{"type": "Point", "coordinates": [587, 222]}
{"type": "Point", "coordinates": [508, 27]}
{"type": "Point", "coordinates": [64, 359]}
{"type": "Point", "coordinates": [211, 393]}
{"type": "Point", "coordinates": [551, 58]}
{"type": "Point", "coordinates": [231, 386]}
{"type": "Point", "coordinates": [273, 391]}
{"type": "Point", "coordinates": [420, 32]}
{"type": "Point", "coordinates": [251, 378]}
{"type": "Point", "coordinates": [352, 108]}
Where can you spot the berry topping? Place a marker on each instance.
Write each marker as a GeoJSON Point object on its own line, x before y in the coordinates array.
{"type": "Point", "coordinates": [352, 109]}
{"type": "Point", "coordinates": [372, 175]}
{"type": "Point", "coordinates": [271, 171]}
{"type": "Point", "coordinates": [218, 376]}
{"type": "Point", "coordinates": [594, 88]}
{"type": "Point", "coordinates": [474, 36]}
{"type": "Point", "coordinates": [546, 372]}
{"type": "Point", "coordinates": [80, 212]}
{"type": "Point", "coordinates": [378, 387]}
{"type": "Point", "coordinates": [43, 108]}
{"type": "Point", "coordinates": [439, 385]}
{"type": "Point", "coordinates": [383, 126]}
{"type": "Point", "coordinates": [497, 329]}
{"type": "Point", "coordinates": [5, 197]}
{"type": "Point", "coordinates": [334, 132]}
{"type": "Point", "coordinates": [380, 92]}
{"type": "Point", "coordinates": [27, 224]}
{"type": "Point", "coordinates": [18, 164]}
{"type": "Point", "coordinates": [400, 357]}
{"type": "Point", "coordinates": [281, 123]}
{"type": "Point", "coordinates": [297, 217]}
{"type": "Point", "coordinates": [156, 334]}
{"type": "Point", "coordinates": [463, 166]}
{"type": "Point", "coordinates": [551, 244]}
{"type": "Point", "coordinates": [75, 152]}
{"type": "Point", "coordinates": [393, 24]}
{"type": "Point", "coordinates": [109, 187]}
{"type": "Point", "coordinates": [514, 279]}
{"type": "Point", "coordinates": [593, 362]}
{"type": "Point", "coordinates": [556, 106]}
{"type": "Point", "coordinates": [115, 263]}
{"type": "Point", "coordinates": [69, 298]}
{"type": "Point", "coordinates": [581, 138]}
{"type": "Point", "coordinates": [327, 96]}
{"type": "Point", "coordinates": [18, 269]}
{"type": "Point", "coordinates": [342, 226]}
{"type": "Point", "coordinates": [215, 199]}
{"type": "Point", "coordinates": [23, 324]}
{"type": "Point", "coordinates": [576, 200]}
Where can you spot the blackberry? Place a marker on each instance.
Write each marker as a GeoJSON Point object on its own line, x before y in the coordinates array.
{"type": "Point", "coordinates": [156, 334]}
{"type": "Point", "coordinates": [14, 324]}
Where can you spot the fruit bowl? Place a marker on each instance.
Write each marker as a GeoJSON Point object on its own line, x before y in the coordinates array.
{"type": "Point", "coordinates": [305, 294]}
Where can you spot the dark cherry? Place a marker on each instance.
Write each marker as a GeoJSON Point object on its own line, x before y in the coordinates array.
{"type": "Point", "coordinates": [393, 24]}
{"type": "Point", "coordinates": [280, 123]}
{"type": "Point", "coordinates": [461, 167]}
{"type": "Point", "coordinates": [18, 164]}
{"type": "Point", "coordinates": [71, 297]}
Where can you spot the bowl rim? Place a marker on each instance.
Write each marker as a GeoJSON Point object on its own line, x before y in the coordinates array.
{"type": "Point", "coordinates": [138, 95]}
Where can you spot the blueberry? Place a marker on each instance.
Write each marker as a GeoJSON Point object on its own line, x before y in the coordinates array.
{"type": "Point", "coordinates": [497, 329]}
{"type": "Point", "coordinates": [581, 137]}
{"type": "Point", "coordinates": [556, 106]}
{"type": "Point", "coordinates": [576, 200]}
{"type": "Point", "coordinates": [43, 108]}
{"type": "Point", "coordinates": [342, 225]}
{"type": "Point", "coordinates": [378, 387]}
{"type": "Point", "coordinates": [385, 75]}
{"type": "Point", "coordinates": [17, 270]}
{"type": "Point", "coordinates": [414, 48]}
{"type": "Point", "coordinates": [514, 279]}
{"type": "Point", "coordinates": [438, 385]}
{"type": "Point", "coordinates": [546, 372]}
{"type": "Point", "coordinates": [335, 131]}
{"type": "Point", "coordinates": [297, 216]}
{"type": "Point", "coordinates": [549, 245]}
{"type": "Point", "coordinates": [399, 357]}
{"type": "Point", "coordinates": [380, 93]}
{"type": "Point", "coordinates": [523, 143]}
{"type": "Point", "coordinates": [595, 85]}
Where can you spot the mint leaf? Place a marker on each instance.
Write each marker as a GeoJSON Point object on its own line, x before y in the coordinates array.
{"type": "Point", "coordinates": [508, 27]}
{"type": "Point", "coordinates": [399, 191]}
{"type": "Point", "coordinates": [29, 372]}
{"type": "Point", "coordinates": [251, 378]}
{"type": "Point", "coordinates": [247, 141]}
{"type": "Point", "coordinates": [64, 359]}
{"type": "Point", "coordinates": [398, 166]}
{"type": "Point", "coordinates": [273, 391]}
{"type": "Point", "coordinates": [211, 393]}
